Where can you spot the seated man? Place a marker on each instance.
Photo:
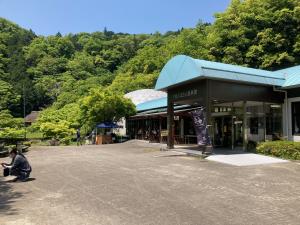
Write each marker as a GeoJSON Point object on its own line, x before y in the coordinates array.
{"type": "Point", "coordinates": [19, 166]}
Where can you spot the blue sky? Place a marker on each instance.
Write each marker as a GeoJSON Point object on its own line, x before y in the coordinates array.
{"type": "Point", "coordinates": [132, 16]}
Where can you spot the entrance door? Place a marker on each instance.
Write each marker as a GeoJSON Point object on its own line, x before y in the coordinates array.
{"type": "Point", "coordinates": [228, 132]}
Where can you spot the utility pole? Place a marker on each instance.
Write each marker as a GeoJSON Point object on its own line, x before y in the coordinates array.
{"type": "Point", "coordinates": [24, 110]}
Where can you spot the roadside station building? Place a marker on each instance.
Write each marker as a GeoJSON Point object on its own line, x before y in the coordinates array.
{"type": "Point", "coordinates": [242, 105]}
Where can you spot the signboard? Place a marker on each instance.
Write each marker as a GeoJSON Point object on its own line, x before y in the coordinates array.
{"type": "Point", "coordinates": [201, 127]}
{"type": "Point", "coordinates": [184, 94]}
{"type": "Point", "coordinates": [238, 122]}
{"type": "Point", "coordinates": [164, 133]}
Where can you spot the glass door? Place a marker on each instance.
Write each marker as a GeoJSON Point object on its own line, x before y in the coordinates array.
{"type": "Point", "coordinates": [222, 131]}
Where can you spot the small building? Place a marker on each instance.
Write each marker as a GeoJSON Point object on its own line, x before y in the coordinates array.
{"type": "Point", "coordinates": [241, 105]}
{"type": "Point", "coordinates": [31, 118]}
{"type": "Point", "coordinates": [139, 97]}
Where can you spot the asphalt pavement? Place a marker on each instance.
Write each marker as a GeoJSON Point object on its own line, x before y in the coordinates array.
{"type": "Point", "coordinates": [135, 183]}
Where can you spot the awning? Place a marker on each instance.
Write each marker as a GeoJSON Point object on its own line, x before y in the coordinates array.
{"type": "Point", "coordinates": [160, 112]}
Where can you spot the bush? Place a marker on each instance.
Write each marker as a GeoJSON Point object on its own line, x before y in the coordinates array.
{"type": "Point", "coordinates": [282, 149]}
{"type": "Point", "coordinates": [60, 132]}
{"type": "Point", "coordinates": [66, 140]}
{"type": "Point", "coordinates": [11, 133]}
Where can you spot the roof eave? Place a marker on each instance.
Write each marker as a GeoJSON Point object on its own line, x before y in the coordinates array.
{"type": "Point", "coordinates": [291, 86]}
{"type": "Point", "coordinates": [214, 78]}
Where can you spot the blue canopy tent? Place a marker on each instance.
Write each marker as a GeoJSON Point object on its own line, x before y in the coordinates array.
{"type": "Point", "coordinates": [108, 125]}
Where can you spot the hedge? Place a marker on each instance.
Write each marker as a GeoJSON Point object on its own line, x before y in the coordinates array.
{"type": "Point", "coordinates": [282, 149]}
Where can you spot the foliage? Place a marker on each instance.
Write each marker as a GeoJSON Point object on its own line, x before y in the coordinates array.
{"type": "Point", "coordinates": [53, 73]}
{"type": "Point", "coordinates": [7, 95]}
{"type": "Point", "coordinates": [7, 120]}
{"type": "Point", "coordinates": [59, 131]}
{"type": "Point", "coordinates": [59, 124]}
{"type": "Point", "coordinates": [282, 149]}
{"type": "Point", "coordinates": [34, 134]}
{"type": "Point", "coordinates": [101, 106]}
{"type": "Point", "coordinates": [126, 82]}
{"type": "Point", "coordinates": [257, 33]}
{"type": "Point", "coordinates": [10, 127]}
{"type": "Point", "coordinates": [69, 113]}
{"type": "Point", "coordinates": [11, 133]}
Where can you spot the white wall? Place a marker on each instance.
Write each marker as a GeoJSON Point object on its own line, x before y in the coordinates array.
{"type": "Point", "coordinates": [121, 131]}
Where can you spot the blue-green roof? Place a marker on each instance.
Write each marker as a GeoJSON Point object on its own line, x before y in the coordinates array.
{"type": "Point", "coordinates": [153, 104]}
{"type": "Point", "coordinates": [183, 68]}
{"type": "Point", "coordinates": [292, 77]}
{"type": "Point", "coordinates": [156, 105]}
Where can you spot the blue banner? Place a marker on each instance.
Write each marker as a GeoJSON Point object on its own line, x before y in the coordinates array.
{"type": "Point", "coordinates": [201, 128]}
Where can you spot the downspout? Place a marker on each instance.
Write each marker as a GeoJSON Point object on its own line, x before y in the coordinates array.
{"type": "Point", "coordinates": [286, 109]}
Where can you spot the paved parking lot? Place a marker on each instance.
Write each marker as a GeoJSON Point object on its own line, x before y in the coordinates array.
{"type": "Point", "coordinates": [135, 183]}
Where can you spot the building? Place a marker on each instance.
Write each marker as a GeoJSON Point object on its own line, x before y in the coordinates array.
{"type": "Point", "coordinates": [241, 105]}
{"type": "Point", "coordinates": [31, 118]}
{"type": "Point", "coordinates": [138, 97]}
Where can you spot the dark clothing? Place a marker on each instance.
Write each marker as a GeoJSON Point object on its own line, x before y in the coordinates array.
{"type": "Point", "coordinates": [20, 167]}
{"type": "Point", "coordinates": [78, 134]}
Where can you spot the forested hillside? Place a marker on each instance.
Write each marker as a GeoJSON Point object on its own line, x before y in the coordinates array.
{"type": "Point", "coordinates": [59, 74]}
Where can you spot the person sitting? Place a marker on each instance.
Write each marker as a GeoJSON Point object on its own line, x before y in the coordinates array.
{"type": "Point", "coordinates": [18, 167]}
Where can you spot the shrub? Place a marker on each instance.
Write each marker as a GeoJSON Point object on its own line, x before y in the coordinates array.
{"type": "Point", "coordinates": [11, 133]}
{"type": "Point", "coordinates": [66, 140]}
{"type": "Point", "coordinates": [57, 132]}
{"type": "Point", "coordinates": [282, 149]}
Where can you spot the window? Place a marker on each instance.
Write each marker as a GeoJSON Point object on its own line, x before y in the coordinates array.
{"type": "Point", "coordinates": [296, 118]}
{"type": "Point", "coordinates": [274, 121]}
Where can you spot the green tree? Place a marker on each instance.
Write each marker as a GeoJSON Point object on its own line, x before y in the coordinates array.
{"type": "Point", "coordinates": [7, 96]}
{"type": "Point", "coordinates": [81, 66]}
{"type": "Point", "coordinates": [100, 106]}
{"type": "Point", "coordinates": [69, 114]}
{"type": "Point", "coordinates": [127, 82]}
{"type": "Point", "coordinates": [257, 33]}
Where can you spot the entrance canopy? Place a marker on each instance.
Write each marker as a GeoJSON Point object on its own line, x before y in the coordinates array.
{"type": "Point", "coordinates": [239, 102]}
{"type": "Point", "coordinates": [182, 69]}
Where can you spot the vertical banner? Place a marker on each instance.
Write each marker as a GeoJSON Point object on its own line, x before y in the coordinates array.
{"type": "Point", "coordinates": [200, 125]}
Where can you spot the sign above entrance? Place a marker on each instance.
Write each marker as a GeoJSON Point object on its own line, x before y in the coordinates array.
{"type": "Point", "coordinates": [184, 94]}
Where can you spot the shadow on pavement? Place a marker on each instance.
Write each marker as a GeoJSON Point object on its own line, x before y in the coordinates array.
{"type": "Point", "coordinates": [7, 198]}
{"type": "Point", "coordinates": [17, 181]}
{"type": "Point", "coordinates": [30, 179]}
